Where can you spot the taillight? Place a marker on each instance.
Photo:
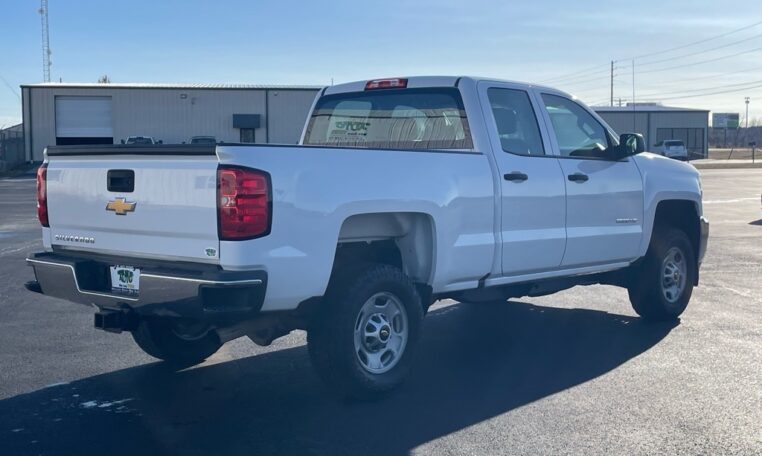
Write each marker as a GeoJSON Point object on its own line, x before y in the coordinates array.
{"type": "Point", "coordinates": [42, 195]}
{"type": "Point", "coordinates": [392, 83]}
{"type": "Point", "coordinates": [243, 203]}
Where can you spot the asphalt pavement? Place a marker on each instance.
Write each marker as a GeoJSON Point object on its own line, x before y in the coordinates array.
{"type": "Point", "coordinates": [572, 373]}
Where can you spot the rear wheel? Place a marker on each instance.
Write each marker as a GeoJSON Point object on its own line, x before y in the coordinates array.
{"type": "Point", "coordinates": [362, 341]}
{"type": "Point", "coordinates": [665, 278]}
{"type": "Point", "coordinates": [178, 342]}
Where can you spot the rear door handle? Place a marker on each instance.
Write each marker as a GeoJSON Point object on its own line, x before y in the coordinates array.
{"type": "Point", "coordinates": [515, 176]}
{"type": "Point", "coordinates": [578, 177]}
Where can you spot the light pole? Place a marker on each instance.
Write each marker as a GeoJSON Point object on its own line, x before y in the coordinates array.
{"type": "Point", "coordinates": [747, 99]}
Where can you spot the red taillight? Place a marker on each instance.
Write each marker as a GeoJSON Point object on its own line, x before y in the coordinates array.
{"type": "Point", "coordinates": [42, 195]}
{"type": "Point", "coordinates": [392, 83]}
{"type": "Point", "coordinates": [243, 203]}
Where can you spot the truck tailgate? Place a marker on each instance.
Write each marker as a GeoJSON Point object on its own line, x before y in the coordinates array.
{"type": "Point", "coordinates": [168, 212]}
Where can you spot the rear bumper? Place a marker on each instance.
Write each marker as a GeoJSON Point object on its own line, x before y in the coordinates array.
{"type": "Point", "coordinates": [703, 239]}
{"type": "Point", "coordinates": [204, 293]}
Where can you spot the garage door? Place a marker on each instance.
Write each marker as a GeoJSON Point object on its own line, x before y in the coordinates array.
{"type": "Point", "coordinates": [84, 120]}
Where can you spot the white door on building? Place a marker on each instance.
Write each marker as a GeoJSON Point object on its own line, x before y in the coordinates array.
{"type": "Point", "coordinates": [83, 120]}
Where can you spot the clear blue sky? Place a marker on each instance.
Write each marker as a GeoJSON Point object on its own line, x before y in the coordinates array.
{"type": "Point", "coordinates": [309, 42]}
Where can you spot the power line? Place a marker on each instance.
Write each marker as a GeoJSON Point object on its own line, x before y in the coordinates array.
{"type": "Point", "coordinates": [585, 78]}
{"type": "Point", "coordinates": [10, 87]}
{"type": "Point", "coordinates": [706, 94]}
{"type": "Point", "coordinates": [699, 52]}
{"type": "Point", "coordinates": [712, 76]}
{"type": "Point", "coordinates": [701, 62]}
{"type": "Point", "coordinates": [570, 75]}
{"type": "Point", "coordinates": [696, 42]}
{"type": "Point", "coordinates": [704, 89]}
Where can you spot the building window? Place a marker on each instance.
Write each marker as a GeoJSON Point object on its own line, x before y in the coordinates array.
{"type": "Point", "coordinates": [247, 135]}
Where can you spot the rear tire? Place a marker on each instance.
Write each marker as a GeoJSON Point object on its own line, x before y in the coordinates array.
{"type": "Point", "coordinates": [362, 341]}
{"type": "Point", "coordinates": [664, 280]}
{"type": "Point", "coordinates": [176, 342]}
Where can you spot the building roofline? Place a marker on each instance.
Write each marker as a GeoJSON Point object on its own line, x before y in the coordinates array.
{"type": "Point", "coordinates": [645, 109]}
{"type": "Point", "coordinates": [140, 85]}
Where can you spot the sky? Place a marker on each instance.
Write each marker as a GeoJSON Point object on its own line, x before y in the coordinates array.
{"type": "Point", "coordinates": [568, 45]}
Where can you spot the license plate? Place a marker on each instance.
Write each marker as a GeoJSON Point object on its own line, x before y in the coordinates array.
{"type": "Point", "coordinates": [125, 279]}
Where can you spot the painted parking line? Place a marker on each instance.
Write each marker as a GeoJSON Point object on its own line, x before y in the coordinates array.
{"type": "Point", "coordinates": [729, 201]}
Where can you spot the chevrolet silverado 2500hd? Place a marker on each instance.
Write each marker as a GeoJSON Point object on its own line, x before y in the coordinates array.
{"type": "Point", "coordinates": [402, 191]}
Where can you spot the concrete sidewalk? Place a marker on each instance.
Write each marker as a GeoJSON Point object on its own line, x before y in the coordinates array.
{"type": "Point", "coordinates": [710, 163]}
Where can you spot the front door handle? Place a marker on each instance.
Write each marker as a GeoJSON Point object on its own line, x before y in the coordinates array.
{"type": "Point", "coordinates": [515, 176]}
{"type": "Point", "coordinates": [578, 177]}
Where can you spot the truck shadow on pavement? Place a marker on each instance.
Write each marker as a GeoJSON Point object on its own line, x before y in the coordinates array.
{"type": "Point", "coordinates": [475, 361]}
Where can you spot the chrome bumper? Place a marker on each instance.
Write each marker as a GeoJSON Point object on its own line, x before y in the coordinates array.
{"type": "Point", "coordinates": [164, 291]}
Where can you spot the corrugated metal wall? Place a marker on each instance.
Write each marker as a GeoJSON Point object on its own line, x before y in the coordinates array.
{"type": "Point", "coordinates": [175, 115]}
{"type": "Point", "coordinates": [288, 112]}
{"type": "Point", "coordinates": [648, 122]}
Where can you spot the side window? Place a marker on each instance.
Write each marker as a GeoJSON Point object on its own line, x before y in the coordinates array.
{"type": "Point", "coordinates": [577, 132]}
{"type": "Point", "coordinates": [516, 122]}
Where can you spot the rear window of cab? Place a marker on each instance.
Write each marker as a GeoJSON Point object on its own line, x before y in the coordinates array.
{"type": "Point", "coordinates": [426, 118]}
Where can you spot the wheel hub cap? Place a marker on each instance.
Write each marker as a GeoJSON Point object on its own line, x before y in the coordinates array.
{"type": "Point", "coordinates": [381, 333]}
{"type": "Point", "coordinates": [674, 272]}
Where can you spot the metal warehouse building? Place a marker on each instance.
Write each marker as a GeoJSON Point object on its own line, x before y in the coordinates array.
{"type": "Point", "coordinates": [64, 113]}
{"type": "Point", "coordinates": [69, 113]}
{"type": "Point", "coordinates": [658, 123]}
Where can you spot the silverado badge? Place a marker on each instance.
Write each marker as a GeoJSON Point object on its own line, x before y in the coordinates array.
{"type": "Point", "coordinates": [120, 206]}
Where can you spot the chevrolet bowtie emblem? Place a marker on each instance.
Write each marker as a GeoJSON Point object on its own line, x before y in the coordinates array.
{"type": "Point", "coordinates": [121, 206]}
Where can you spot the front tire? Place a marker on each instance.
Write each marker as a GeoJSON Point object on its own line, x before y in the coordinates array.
{"type": "Point", "coordinates": [177, 342]}
{"type": "Point", "coordinates": [362, 341]}
{"type": "Point", "coordinates": [664, 280]}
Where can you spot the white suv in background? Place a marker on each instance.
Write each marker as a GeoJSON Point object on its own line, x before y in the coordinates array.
{"type": "Point", "coordinates": [672, 148]}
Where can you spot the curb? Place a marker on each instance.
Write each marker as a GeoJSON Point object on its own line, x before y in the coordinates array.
{"type": "Point", "coordinates": [727, 165]}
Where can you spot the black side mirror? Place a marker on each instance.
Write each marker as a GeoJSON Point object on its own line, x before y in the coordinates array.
{"type": "Point", "coordinates": [122, 141]}
{"type": "Point", "coordinates": [631, 144]}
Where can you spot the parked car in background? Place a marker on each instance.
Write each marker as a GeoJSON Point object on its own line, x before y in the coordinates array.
{"type": "Point", "coordinates": [672, 148]}
{"type": "Point", "coordinates": [203, 140]}
{"type": "Point", "coordinates": [144, 140]}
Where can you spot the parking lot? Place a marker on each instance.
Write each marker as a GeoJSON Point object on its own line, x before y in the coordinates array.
{"type": "Point", "coordinates": [572, 373]}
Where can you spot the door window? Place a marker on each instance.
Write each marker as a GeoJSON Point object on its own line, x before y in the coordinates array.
{"type": "Point", "coordinates": [516, 122]}
{"type": "Point", "coordinates": [577, 132]}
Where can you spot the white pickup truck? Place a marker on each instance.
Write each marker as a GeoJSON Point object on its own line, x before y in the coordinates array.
{"type": "Point", "coordinates": [402, 191]}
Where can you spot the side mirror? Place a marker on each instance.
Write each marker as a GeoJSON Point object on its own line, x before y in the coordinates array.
{"type": "Point", "coordinates": [122, 141]}
{"type": "Point", "coordinates": [160, 142]}
{"type": "Point", "coordinates": [631, 144]}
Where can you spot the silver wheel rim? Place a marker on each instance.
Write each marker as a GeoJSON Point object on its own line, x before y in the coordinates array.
{"type": "Point", "coordinates": [381, 332]}
{"type": "Point", "coordinates": [674, 272]}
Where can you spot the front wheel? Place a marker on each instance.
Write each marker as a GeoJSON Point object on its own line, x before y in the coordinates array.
{"type": "Point", "coordinates": [178, 342]}
{"type": "Point", "coordinates": [362, 341]}
{"type": "Point", "coordinates": [664, 280]}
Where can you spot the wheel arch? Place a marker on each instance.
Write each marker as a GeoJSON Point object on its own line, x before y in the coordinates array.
{"type": "Point", "coordinates": [683, 214]}
{"type": "Point", "coordinates": [402, 239]}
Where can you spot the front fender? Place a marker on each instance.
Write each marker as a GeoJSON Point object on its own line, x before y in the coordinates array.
{"type": "Point", "coordinates": [665, 179]}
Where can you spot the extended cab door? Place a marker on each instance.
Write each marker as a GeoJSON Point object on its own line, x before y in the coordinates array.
{"type": "Point", "coordinates": [604, 196]}
{"type": "Point", "coordinates": [531, 184]}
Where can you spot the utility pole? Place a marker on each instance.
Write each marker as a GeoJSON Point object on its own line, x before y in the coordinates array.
{"type": "Point", "coordinates": [612, 83]}
{"type": "Point", "coordinates": [633, 96]}
{"type": "Point", "coordinates": [45, 40]}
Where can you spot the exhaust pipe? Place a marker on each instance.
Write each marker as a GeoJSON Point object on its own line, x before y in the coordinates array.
{"type": "Point", "coordinates": [115, 321]}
